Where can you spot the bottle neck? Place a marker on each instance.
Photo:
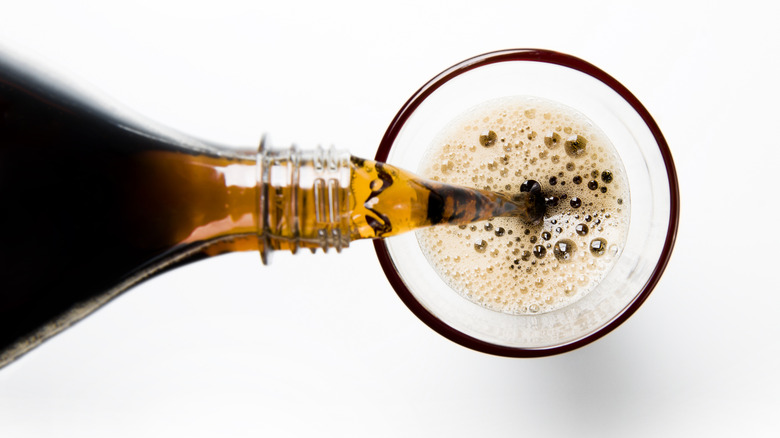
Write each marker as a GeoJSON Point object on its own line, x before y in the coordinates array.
{"type": "Point", "coordinates": [304, 199]}
{"type": "Point", "coordinates": [277, 199]}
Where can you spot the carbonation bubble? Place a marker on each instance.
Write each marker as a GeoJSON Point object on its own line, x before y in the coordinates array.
{"type": "Point", "coordinates": [546, 235]}
{"type": "Point", "coordinates": [606, 176]}
{"type": "Point", "coordinates": [488, 226]}
{"type": "Point", "coordinates": [593, 185]}
{"type": "Point", "coordinates": [552, 139]}
{"type": "Point", "coordinates": [575, 145]}
{"type": "Point", "coordinates": [530, 186]}
{"type": "Point", "coordinates": [577, 179]}
{"type": "Point", "coordinates": [553, 180]}
{"type": "Point", "coordinates": [598, 246]}
{"type": "Point", "coordinates": [564, 250]}
{"type": "Point", "coordinates": [539, 251]}
{"type": "Point", "coordinates": [488, 139]}
{"type": "Point", "coordinates": [594, 173]}
{"type": "Point", "coordinates": [500, 231]}
{"type": "Point", "coordinates": [575, 202]}
{"type": "Point", "coordinates": [552, 201]}
{"type": "Point", "coordinates": [603, 189]}
{"type": "Point", "coordinates": [581, 229]}
{"type": "Point", "coordinates": [480, 245]}
{"type": "Point", "coordinates": [570, 166]}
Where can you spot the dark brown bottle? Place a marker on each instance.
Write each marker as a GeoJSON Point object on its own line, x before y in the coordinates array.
{"type": "Point", "coordinates": [95, 200]}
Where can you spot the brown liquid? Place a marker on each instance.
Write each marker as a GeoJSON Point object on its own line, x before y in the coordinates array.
{"type": "Point", "coordinates": [393, 201]}
{"type": "Point", "coordinates": [94, 203]}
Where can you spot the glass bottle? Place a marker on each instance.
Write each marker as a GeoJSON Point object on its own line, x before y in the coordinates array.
{"type": "Point", "coordinates": [95, 200]}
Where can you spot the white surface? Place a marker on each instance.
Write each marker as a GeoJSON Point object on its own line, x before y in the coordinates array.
{"type": "Point", "coordinates": [320, 345]}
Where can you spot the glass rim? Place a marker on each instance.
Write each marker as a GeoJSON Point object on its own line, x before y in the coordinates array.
{"type": "Point", "coordinates": [564, 60]}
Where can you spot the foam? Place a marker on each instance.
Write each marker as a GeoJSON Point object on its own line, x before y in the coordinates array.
{"type": "Point", "coordinates": [505, 264]}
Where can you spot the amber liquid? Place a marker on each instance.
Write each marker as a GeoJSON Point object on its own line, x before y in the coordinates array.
{"type": "Point", "coordinates": [391, 201]}
{"type": "Point", "coordinates": [94, 203]}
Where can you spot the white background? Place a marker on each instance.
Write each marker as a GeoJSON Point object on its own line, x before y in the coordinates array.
{"type": "Point", "coordinates": [321, 345]}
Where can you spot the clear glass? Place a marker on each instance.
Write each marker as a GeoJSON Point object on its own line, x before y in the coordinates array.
{"type": "Point", "coordinates": [653, 191]}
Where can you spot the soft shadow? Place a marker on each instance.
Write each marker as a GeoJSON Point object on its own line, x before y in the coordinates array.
{"type": "Point", "coordinates": [603, 389]}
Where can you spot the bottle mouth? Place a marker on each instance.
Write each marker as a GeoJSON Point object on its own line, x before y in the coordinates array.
{"type": "Point", "coordinates": [653, 182]}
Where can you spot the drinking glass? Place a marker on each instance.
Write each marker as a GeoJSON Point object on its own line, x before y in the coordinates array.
{"type": "Point", "coordinates": [654, 206]}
